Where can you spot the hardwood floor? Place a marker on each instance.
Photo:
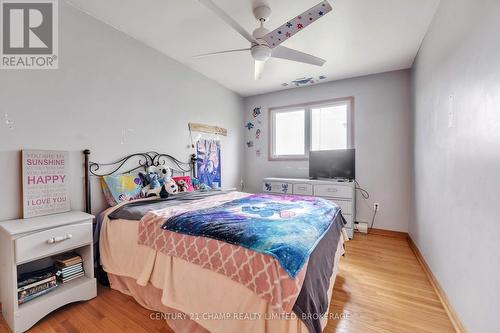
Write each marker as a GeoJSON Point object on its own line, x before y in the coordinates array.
{"type": "Point", "coordinates": [383, 288]}
{"type": "Point", "coordinates": [380, 287]}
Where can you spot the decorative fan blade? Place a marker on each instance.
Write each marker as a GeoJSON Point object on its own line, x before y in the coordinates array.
{"type": "Point", "coordinates": [220, 52]}
{"type": "Point", "coordinates": [228, 19]}
{"type": "Point", "coordinates": [294, 55]}
{"type": "Point", "coordinates": [287, 30]}
{"type": "Point", "coordinates": [259, 68]}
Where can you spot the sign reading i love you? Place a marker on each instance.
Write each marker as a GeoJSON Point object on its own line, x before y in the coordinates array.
{"type": "Point", "coordinates": [45, 182]}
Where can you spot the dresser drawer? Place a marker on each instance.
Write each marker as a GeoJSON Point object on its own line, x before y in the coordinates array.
{"type": "Point", "coordinates": [349, 220]}
{"type": "Point", "coordinates": [333, 191]}
{"type": "Point", "coordinates": [345, 206]}
{"type": "Point", "coordinates": [302, 189]}
{"type": "Point", "coordinates": [52, 241]}
{"type": "Point", "coordinates": [277, 187]}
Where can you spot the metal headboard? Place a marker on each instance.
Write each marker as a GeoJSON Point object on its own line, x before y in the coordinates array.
{"type": "Point", "coordinates": [132, 163]}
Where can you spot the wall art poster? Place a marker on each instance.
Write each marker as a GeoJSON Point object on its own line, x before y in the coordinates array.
{"type": "Point", "coordinates": [209, 162]}
{"type": "Point", "coordinates": [45, 182]}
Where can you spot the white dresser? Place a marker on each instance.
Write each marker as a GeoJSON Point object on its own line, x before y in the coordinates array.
{"type": "Point", "coordinates": [341, 193]}
{"type": "Point", "coordinates": [29, 244]}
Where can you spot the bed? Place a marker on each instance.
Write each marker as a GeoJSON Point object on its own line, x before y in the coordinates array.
{"type": "Point", "coordinates": [198, 282]}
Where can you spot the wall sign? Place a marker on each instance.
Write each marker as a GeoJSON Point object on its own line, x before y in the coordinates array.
{"type": "Point", "coordinates": [45, 182]}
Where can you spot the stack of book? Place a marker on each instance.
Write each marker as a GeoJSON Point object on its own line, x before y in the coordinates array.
{"type": "Point", "coordinates": [33, 284]}
{"type": "Point", "coordinates": [69, 267]}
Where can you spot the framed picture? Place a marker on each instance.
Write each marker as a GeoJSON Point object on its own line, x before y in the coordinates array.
{"type": "Point", "coordinates": [209, 163]}
{"type": "Point", "coordinates": [45, 182]}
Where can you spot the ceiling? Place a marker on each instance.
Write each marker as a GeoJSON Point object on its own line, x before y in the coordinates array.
{"type": "Point", "coordinates": [359, 37]}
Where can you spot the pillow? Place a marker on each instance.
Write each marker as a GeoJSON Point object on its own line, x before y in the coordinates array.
{"type": "Point", "coordinates": [121, 188]}
{"type": "Point", "coordinates": [184, 183]}
{"type": "Point", "coordinates": [107, 194]}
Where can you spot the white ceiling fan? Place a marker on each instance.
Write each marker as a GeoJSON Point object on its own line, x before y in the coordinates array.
{"type": "Point", "coordinates": [266, 44]}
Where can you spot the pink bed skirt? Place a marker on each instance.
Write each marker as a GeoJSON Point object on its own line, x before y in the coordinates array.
{"type": "Point", "coordinates": [149, 297]}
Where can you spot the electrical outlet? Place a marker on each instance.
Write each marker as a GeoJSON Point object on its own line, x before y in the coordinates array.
{"type": "Point", "coordinates": [376, 206]}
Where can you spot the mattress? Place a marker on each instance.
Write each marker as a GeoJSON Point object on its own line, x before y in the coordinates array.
{"type": "Point", "coordinates": [208, 301]}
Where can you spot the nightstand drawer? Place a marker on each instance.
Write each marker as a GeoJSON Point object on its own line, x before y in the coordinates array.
{"type": "Point", "coordinates": [52, 241]}
{"type": "Point", "coordinates": [333, 191]}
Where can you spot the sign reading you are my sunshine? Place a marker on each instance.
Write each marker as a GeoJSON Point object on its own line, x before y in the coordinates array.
{"type": "Point", "coordinates": [45, 182]}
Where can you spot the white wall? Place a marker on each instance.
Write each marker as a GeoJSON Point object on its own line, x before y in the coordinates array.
{"type": "Point", "coordinates": [107, 82]}
{"type": "Point", "coordinates": [382, 133]}
{"type": "Point", "coordinates": [457, 157]}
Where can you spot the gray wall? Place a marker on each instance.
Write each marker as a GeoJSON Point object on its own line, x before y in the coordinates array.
{"type": "Point", "coordinates": [457, 157]}
{"type": "Point", "coordinates": [108, 82]}
{"type": "Point", "coordinates": [382, 136]}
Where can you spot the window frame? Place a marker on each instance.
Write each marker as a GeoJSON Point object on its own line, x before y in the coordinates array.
{"type": "Point", "coordinates": [349, 101]}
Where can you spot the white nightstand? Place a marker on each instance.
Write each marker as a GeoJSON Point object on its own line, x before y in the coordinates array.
{"type": "Point", "coordinates": [28, 244]}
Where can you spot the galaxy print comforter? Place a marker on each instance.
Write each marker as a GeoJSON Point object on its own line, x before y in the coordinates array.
{"type": "Point", "coordinates": [287, 228]}
{"type": "Point", "coordinates": [257, 271]}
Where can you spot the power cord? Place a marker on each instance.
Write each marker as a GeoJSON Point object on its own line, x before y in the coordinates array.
{"type": "Point", "coordinates": [366, 196]}
{"type": "Point", "coordinates": [364, 193]}
{"type": "Point", "coordinates": [373, 220]}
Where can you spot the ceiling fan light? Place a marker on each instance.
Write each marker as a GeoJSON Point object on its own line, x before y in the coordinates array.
{"type": "Point", "coordinates": [261, 52]}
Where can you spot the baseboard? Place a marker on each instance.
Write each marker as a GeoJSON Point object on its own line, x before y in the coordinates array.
{"type": "Point", "coordinates": [454, 318]}
{"type": "Point", "coordinates": [388, 233]}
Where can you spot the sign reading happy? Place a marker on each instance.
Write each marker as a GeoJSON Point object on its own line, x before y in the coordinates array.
{"type": "Point", "coordinates": [45, 182]}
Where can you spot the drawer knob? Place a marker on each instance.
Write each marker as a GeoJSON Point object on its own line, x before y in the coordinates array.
{"type": "Point", "coordinates": [59, 239]}
{"type": "Point", "coordinates": [331, 190]}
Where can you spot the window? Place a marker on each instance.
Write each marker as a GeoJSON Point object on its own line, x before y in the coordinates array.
{"type": "Point", "coordinates": [289, 132]}
{"type": "Point", "coordinates": [318, 126]}
{"type": "Point", "coordinates": [329, 127]}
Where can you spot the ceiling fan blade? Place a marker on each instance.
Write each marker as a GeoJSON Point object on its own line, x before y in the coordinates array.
{"type": "Point", "coordinates": [290, 28]}
{"type": "Point", "coordinates": [294, 55]}
{"type": "Point", "coordinates": [259, 68]}
{"type": "Point", "coordinates": [228, 19]}
{"type": "Point", "coordinates": [220, 52]}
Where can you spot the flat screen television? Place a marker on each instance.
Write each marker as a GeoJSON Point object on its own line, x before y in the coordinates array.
{"type": "Point", "coordinates": [338, 163]}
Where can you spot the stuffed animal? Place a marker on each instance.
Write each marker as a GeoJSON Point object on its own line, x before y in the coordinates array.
{"type": "Point", "coordinates": [168, 185]}
{"type": "Point", "coordinates": [183, 186]}
{"type": "Point", "coordinates": [152, 186]}
{"type": "Point", "coordinates": [163, 171]}
{"type": "Point", "coordinates": [199, 186]}
{"type": "Point", "coordinates": [196, 183]}
{"type": "Point", "coordinates": [204, 187]}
